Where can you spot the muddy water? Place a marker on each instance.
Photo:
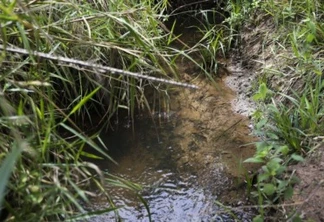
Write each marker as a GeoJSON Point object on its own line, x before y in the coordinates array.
{"type": "Point", "coordinates": [189, 159]}
{"type": "Point", "coordinates": [151, 158]}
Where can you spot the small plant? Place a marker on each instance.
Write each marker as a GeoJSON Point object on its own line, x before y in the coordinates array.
{"type": "Point", "coordinates": [285, 131]}
{"type": "Point", "coordinates": [211, 47]}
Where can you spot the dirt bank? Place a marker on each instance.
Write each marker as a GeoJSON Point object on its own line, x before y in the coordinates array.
{"type": "Point", "coordinates": [259, 55]}
{"type": "Point", "coordinates": [309, 193]}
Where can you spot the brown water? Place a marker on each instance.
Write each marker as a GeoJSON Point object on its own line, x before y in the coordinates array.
{"type": "Point", "coordinates": [173, 194]}
{"type": "Point", "coordinates": [185, 161]}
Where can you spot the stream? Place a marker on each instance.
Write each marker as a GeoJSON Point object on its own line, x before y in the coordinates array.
{"type": "Point", "coordinates": [186, 160]}
{"type": "Point", "coordinates": [146, 158]}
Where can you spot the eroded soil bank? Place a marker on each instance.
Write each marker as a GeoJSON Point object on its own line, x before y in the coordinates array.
{"type": "Point", "coordinates": [259, 57]}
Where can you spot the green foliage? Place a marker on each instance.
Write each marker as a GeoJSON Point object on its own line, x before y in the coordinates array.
{"type": "Point", "coordinates": [258, 218]}
{"type": "Point", "coordinates": [286, 127]}
{"type": "Point", "coordinates": [262, 93]}
{"type": "Point", "coordinates": [7, 168]}
{"type": "Point", "coordinates": [44, 175]}
{"type": "Point", "coordinates": [294, 119]}
{"type": "Point", "coordinates": [240, 11]}
{"type": "Point", "coordinates": [286, 122]}
{"type": "Point", "coordinates": [211, 40]}
{"type": "Point", "coordinates": [211, 47]}
{"type": "Point", "coordinates": [271, 183]}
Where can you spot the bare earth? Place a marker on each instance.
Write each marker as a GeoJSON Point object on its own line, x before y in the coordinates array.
{"type": "Point", "coordinates": [309, 193]}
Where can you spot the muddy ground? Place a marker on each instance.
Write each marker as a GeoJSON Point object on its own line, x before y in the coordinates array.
{"type": "Point", "coordinates": [308, 200]}
{"type": "Point", "coordinates": [210, 128]}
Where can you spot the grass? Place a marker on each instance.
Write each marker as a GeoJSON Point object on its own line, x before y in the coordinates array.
{"type": "Point", "coordinates": [63, 61]}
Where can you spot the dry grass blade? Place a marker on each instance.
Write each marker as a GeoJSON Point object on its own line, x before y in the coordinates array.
{"type": "Point", "coordinates": [99, 68]}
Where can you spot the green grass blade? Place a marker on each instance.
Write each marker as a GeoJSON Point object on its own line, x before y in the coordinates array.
{"type": "Point", "coordinates": [8, 166]}
{"type": "Point", "coordinates": [83, 101]}
{"type": "Point", "coordinates": [87, 140]}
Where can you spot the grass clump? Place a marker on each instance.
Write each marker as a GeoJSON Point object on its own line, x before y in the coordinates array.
{"type": "Point", "coordinates": [60, 61]}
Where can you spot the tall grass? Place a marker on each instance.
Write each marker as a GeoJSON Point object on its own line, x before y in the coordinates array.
{"type": "Point", "coordinates": [61, 61]}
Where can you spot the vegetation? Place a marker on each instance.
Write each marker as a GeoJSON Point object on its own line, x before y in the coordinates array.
{"type": "Point", "coordinates": [63, 61]}
{"type": "Point", "coordinates": [289, 121]}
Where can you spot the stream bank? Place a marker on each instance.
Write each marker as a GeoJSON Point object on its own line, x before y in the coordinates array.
{"type": "Point", "coordinates": [263, 58]}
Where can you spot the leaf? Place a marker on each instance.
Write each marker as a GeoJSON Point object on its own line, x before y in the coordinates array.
{"type": "Point", "coordinates": [273, 165]}
{"type": "Point", "coordinates": [310, 37]}
{"type": "Point", "coordinates": [281, 170]}
{"type": "Point", "coordinates": [253, 160]}
{"type": "Point", "coordinates": [262, 92]}
{"type": "Point", "coordinates": [297, 157]}
{"type": "Point", "coordinates": [257, 114]}
{"type": "Point", "coordinates": [283, 150]}
{"type": "Point", "coordinates": [87, 140]}
{"type": "Point", "coordinates": [297, 219]}
{"type": "Point", "coordinates": [83, 101]}
{"type": "Point", "coordinates": [7, 167]}
{"type": "Point", "coordinates": [258, 218]}
{"type": "Point", "coordinates": [289, 192]}
{"type": "Point", "coordinates": [277, 159]}
{"type": "Point", "coordinates": [263, 146]}
{"type": "Point", "coordinates": [272, 136]}
{"type": "Point", "coordinates": [282, 184]}
{"type": "Point", "coordinates": [263, 177]}
{"type": "Point", "coordinates": [261, 123]}
{"type": "Point", "coordinates": [90, 155]}
{"type": "Point", "coordinates": [256, 97]}
{"type": "Point", "coordinates": [269, 189]}
{"type": "Point", "coordinates": [265, 169]}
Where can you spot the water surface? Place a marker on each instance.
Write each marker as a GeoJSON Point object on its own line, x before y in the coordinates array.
{"type": "Point", "coordinates": [186, 161]}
